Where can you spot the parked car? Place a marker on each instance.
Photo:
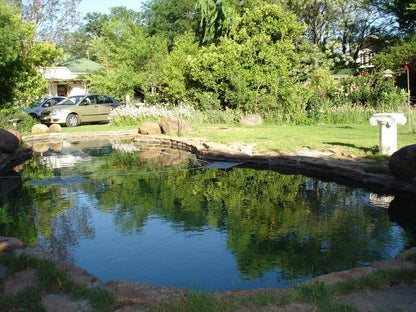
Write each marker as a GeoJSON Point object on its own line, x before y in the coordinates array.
{"type": "Point", "coordinates": [80, 109]}
{"type": "Point", "coordinates": [35, 109]}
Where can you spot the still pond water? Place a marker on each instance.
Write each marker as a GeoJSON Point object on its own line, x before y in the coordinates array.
{"type": "Point", "coordinates": [158, 216]}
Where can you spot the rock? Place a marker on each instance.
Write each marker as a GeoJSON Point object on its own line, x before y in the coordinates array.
{"type": "Point", "coordinates": [21, 281]}
{"type": "Point", "coordinates": [402, 164]}
{"type": "Point", "coordinates": [64, 303]}
{"type": "Point", "coordinates": [10, 243]}
{"type": "Point", "coordinates": [172, 126]}
{"type": "Point", "coordinates": [8, 142]}
{"type": "Point", "coordinates": [17, 135]}
{"type": "Point", "coordinates": [335, 277]}
{"type": "Point", "coordinates": [150, 128]}
{"type": "Point", "coordinates": [80, 276]}
{"type": "Point", "coordinates": [139, 293]}
{"type": "Point", "coordinates": [55, 128]}
{"type": "Point", "coordinates": [40, 128]}
{"type": "Point", "coordinates": [251, 120]}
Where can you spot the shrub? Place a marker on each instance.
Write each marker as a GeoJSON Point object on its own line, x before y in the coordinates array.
{"type": "Point", "coordinates": [24, 125]}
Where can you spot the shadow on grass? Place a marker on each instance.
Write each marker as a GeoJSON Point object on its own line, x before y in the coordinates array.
{"type": "Point", "coordinates": [368, 150]}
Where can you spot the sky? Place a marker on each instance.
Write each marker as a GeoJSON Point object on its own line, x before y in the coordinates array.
{"type": "Point", "coordinates": [102, 6]}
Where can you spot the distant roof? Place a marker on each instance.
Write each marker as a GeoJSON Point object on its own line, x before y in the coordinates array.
{"type": "Point", "coordinates": [81, 65]}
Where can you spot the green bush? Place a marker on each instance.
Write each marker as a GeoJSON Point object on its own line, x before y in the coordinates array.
{"type": "Point", "coordinates": [24, 124]}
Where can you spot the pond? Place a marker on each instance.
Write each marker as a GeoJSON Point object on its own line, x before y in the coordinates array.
{"type": "Point", "coordinates": [159, 216]}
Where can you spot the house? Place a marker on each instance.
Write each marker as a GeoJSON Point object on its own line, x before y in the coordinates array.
{"type": "Point", "coordinates": [364, 59]}
{"type": "Point", "coordinates": [69, 77]}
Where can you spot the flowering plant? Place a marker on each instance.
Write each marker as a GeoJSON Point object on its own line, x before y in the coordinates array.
{"type": "Point", "coordinates": [134, 114]}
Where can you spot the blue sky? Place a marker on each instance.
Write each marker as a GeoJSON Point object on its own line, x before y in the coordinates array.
{"type": "Point", "coordinates": [103, 6]}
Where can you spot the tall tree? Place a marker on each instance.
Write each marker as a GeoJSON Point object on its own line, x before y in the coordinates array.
{"type": "Point", "coordinates": [52, 18]}
{"type": "Point", "coordinates": [343, 26]}
{"type": "Point", "coordinates": [404, 12]}
{"type": "Point", "coordinates": [216, 18]}
{"type": "Point", "coordinates": [132, 59]}
{"type": "Point", "coordinates": [169, 18]}
{"type": "Point", "coordinates": [20, 54]}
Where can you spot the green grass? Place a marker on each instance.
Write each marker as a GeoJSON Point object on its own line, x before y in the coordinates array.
{"type": "Point", "coordinates": [317, 294]}
{"type": "Point", "coordinates": [347, 139]}
{"type": "Point", "coordinates": [356, 139]}
{"type": "Point", "coordinates": [51, 280]}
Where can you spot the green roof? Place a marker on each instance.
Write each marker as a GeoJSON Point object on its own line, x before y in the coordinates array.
{"type": "Point", "coordinates": [81, 65]}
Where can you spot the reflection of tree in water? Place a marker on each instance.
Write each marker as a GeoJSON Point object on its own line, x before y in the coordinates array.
{"type": "Point", "coordinates": [70, 225]}
{"type": "Point", "coordinates": [296, 225]}
{"type": "Point", "coordinates": [299, 225]}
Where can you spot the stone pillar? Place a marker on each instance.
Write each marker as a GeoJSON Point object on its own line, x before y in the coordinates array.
{"type": "Point", "coordinates": [388, 130]}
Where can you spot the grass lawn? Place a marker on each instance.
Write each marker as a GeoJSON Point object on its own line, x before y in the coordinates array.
{"type": "Point", "coordinates": [357, 139]}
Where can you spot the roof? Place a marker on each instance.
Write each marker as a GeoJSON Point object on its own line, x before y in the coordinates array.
{"type": "Point", "coordinates": [84, 65]}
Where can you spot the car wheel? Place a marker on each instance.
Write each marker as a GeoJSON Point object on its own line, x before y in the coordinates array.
{"type": "Point", "coordinates": [72, 120]}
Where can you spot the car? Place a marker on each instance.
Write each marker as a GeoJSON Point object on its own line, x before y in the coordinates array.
{"type": "Point", "coordinates": [35, 109]}
{"type": "Point", "coordinates": [78, 109]}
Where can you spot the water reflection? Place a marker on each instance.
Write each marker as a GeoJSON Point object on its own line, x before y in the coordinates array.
{"type": "Point", "coordinates": [218, 229]}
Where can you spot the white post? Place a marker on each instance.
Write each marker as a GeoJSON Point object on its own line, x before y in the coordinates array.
{"type": "Point", "coordinates": [388, 130]}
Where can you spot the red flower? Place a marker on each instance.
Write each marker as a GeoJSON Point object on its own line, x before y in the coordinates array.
{"type": "Point", "coordinates": [322, 95]}
{"type": "Point", "coordinates": [365, 74]}
{"type": "Point", "coordinates": [406, 68]}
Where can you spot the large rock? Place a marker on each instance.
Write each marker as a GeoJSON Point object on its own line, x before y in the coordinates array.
{"type": "Point", "coordinates": [40, 128]}
{"type": "Point", "coordinates": [139, 293]}
{"type": "Point", "coordinates": [55, 128]}
{"type": "Point", "coordinates": [10, 243]}
{"type": "Point", "coordinates": [172, 126]}
{"type": "Point", "coordinates": [21, 281]}
{"type": "Point", "coordinates": [251, 120]}
{"type": "Point", "coordinates": [17, 134]}
{"type": "Point", "coordinates": [8, 142]}
{"type": "Point", "coordinates": [150, 128]}
{"type": "Point", "coordinates": [402, 163]}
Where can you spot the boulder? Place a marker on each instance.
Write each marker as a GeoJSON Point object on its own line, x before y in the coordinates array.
{"type": "Point", "coordinates": [150, 128]}
{"type": "Point", "coordinates": [55, 128]}
{"type": "Point", "coordinates": [172, 126]}
{"type": "Point", "coordinates": [8, 142]}
{"type": "Point", "coordinates": [10, 243]}
{"type": "Point", "coordinates": [40, 128]}
{"type": "Point", "coordinates": [251, 120]}
{"type": "Point", "coordinates": [17, 135]}
{"type": "Point", "coordinates": [402, 164]}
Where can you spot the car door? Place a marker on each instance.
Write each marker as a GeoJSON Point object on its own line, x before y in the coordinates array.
{"type": "Point", "coordinates": [106, 103]}
{"type": "Point", "coordinates": [88, 109]}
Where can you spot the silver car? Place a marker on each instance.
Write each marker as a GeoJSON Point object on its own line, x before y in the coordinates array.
{"type": "Point", "coordinates": [80, 109]}
{"type": "Point", "coordinates": [34, 110]}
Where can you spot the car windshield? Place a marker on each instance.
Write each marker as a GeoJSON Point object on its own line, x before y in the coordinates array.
{"type": "Point", "coordinates": [71, 100]}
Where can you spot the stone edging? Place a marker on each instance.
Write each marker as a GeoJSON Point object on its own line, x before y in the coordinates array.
{"type": "Point", "coordinates": [357, 173]}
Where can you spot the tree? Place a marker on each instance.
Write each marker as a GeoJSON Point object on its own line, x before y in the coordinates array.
{"type": "Point", "coordinates": [52, 18]}
{"type": "Point", "coordinates": [340, 26]}
{"type": "Point", "coordinates": [216, 18]}
{"type": "Point", "coordinates": [132, 59]}
{"type": "Point", "coordinates": [404, 12]}
{"type": "Point", "coordinates": [20, 54]}
{"type": "Point", "coordinates": [169, 18]}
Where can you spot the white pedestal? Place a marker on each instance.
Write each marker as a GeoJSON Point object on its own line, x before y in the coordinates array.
{"type": "Point", "coordinates": [388, 130]}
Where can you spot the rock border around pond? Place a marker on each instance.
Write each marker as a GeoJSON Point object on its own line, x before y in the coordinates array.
{"type": "Point", "coordinates": [131, 294]}
{"type": "Point", "coordinates": [357, 172]}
